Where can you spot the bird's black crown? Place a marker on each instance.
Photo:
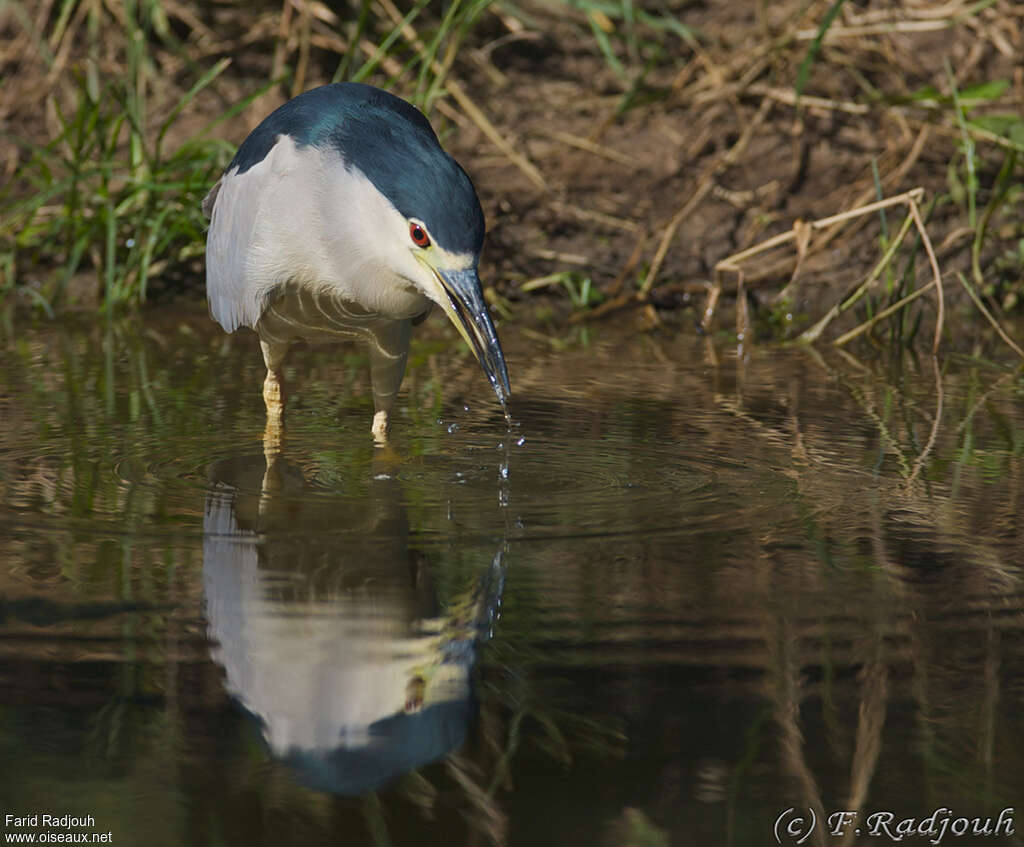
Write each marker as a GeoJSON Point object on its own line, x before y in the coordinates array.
{"type": "Point", "coordinates": [392, 143]}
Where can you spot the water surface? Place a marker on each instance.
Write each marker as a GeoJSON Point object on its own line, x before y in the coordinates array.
{"type": "Point", "coordinates": [686, 592]}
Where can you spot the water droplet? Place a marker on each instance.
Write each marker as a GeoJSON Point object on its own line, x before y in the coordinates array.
{"type": "Point", "coordinates": [503, 470]}
{"type": "Point", "coordinates": [383, 476]}
{"type": "Point", "coordinates": [440, 421]}
{"type": "Point", "coordinates": [453, 428]}
{"type": "Point", "coordinates": [503, 497]}
{"type": "Point", "coordinates": [130, 243]}
{"type": "Point", "coordinates": [501, 445]}
{"type": "Point", "coordinates": [465, 407]}
{"type": "Point", "coordinates": [520, 441]}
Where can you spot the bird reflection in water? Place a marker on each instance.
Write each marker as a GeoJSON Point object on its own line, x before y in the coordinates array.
{"type": "Point", "coordinates": [328, 626]}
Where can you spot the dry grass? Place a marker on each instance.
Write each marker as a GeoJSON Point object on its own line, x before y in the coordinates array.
{"type": "Point", "coordinates": [621, 151]}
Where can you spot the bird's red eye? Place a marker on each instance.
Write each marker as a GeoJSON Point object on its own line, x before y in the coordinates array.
{"type": "Point", "coordinates": [418, 235]}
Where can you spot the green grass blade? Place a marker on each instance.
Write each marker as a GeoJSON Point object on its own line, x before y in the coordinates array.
{"type": "Point", "coordinates": [605, 46]}
{"type": "Point", "coordinates": [186, 99]}
{"type": "Point", "coordinates": [970, 153]}
{"type": "Point", "coordinates": [355, 35]}
{"type": "Point", "coordinates": [370, 64]}
{"type": "Point", "coordinates": [804, 71]}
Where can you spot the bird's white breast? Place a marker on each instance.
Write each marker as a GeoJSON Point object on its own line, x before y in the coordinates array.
{"type": "Point", "coordinates": [323, 225]}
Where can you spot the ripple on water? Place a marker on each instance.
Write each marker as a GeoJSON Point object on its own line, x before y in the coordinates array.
{"type": "Point", "coordinates": [549, 481]}
{"type": "Point", "coordinates": [558, 470]}
{"type": "Point", "coordinates": [109, 486]}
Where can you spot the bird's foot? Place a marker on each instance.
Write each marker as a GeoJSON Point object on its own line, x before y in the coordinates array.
{"type": "Point", "coordinates": [379, 428]}
{"type": "Point", "coordinates": [273, 390]}
{"type": "Point", "coordinates": [273, 399]}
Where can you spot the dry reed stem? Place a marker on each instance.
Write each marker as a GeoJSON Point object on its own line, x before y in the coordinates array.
{"type": "Point", "coordinates": [988, 316]}
{"type": "Point", "coordinates": [608, 306]}
{"type": "Point", "coordinates": [874, 16]}
{"type": "Point", "coordinates": [559, 256]}
{"type": "Point", "coordinates": [389, 63]}
{"type": "Point", "coordinates": [742, 312]}
{"type": "Point", "coordinates": [261, 105]}
{"type": "Point", "coordinates": [940, 296]}
{"type": "Point", "coordinates": [476, 115]}
{"type": "Point", "coordinates": [610, 221]}
{"type": "Point", "coordinates": [710, 304]}
{"type": "Point", "coordinates": [472, 111]}
{"type": "Point", "coordinates": [592, 147]}
{"type": "Point", "coordinates": [955, 132]}
{"type": "Point", "coordinates": [910, 199]}
{"type": "Point", "coordinates": [837, 32]}
{"type": "Point", "coordinates": [745, 66]}
{"type": "Point", "coordinates": [803, 242]}
{"type": "Point", "coordinates": [813, 333]}
{"type": "Point", "coordinates": [894, 177]}
{"type": "Point", "coordinates": [631, 263]}
{"type": "Point", "coordinates": [732, 263]}
{"type": "Point", "coordinates": [703, 188]}
{"type": "Point", "coordinates": [895, 307]}
{"type": "Point", "coordinates": [617, 300]}
{"type": "Point", "coordinates": [302, 63]}
{"type": "Point", "coordinates": [788, 97]}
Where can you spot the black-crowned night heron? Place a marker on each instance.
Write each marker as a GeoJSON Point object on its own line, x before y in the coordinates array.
{"type": "Point", "coordinates": [339, 217]}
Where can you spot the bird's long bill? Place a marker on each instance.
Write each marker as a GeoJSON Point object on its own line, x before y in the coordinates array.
{"type": "Point", "coordinates": [466, 309]}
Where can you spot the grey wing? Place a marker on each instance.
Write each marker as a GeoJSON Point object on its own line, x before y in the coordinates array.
{"type": "Point", "coordinates": [236, 298]}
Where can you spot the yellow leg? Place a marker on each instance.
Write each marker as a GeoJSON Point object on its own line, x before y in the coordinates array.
{"type": "Point", "coordinates": [273, 389]}
{"type": "Point", "coordinates": [389, 349]}
{"type": "Point", "coordinates": [379, 428]}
